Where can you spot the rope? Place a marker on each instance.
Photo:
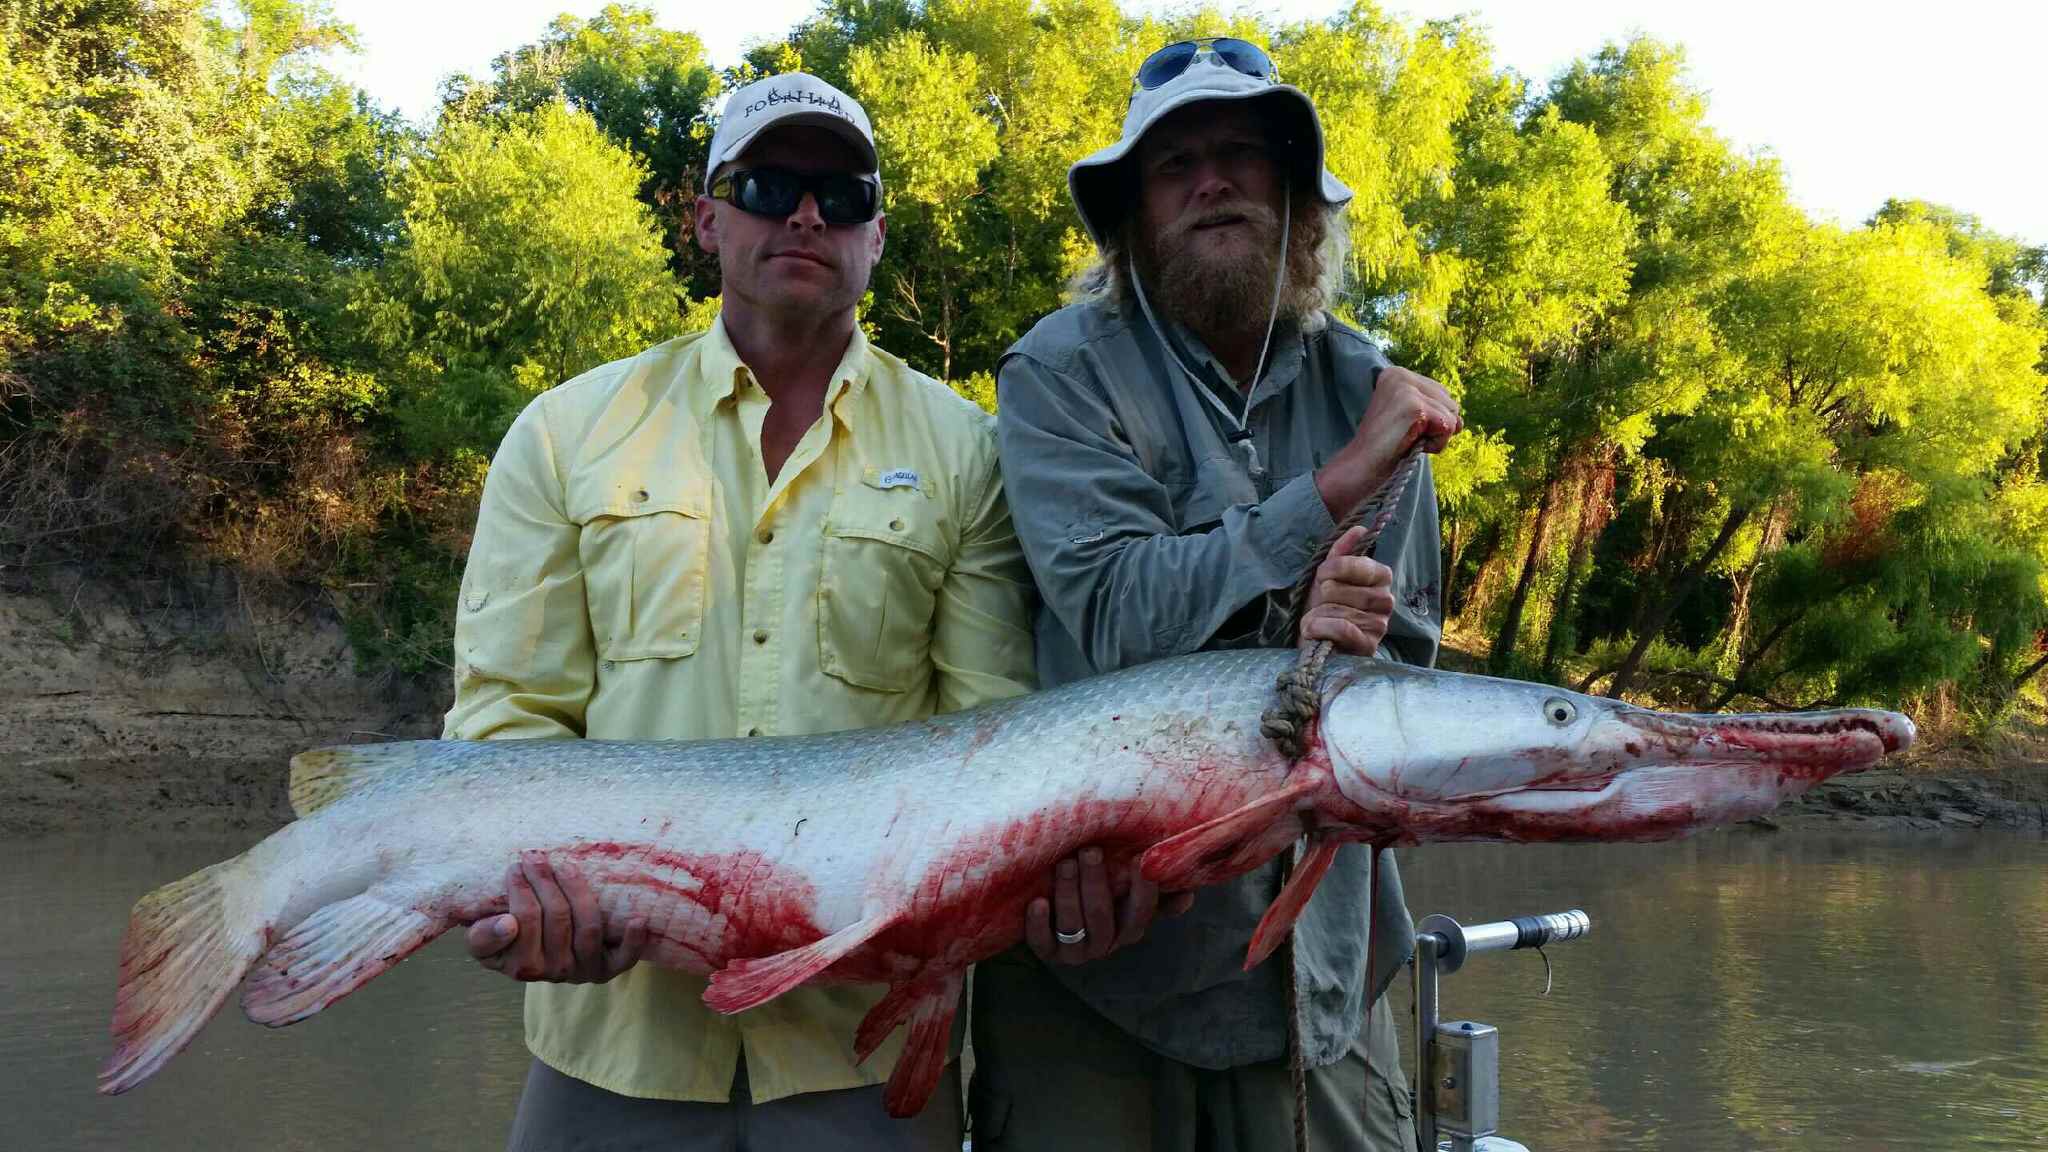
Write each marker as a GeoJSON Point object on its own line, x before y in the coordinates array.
{"type": "Point", "coordinates": [1297, 1059]}
{"type": "Point", "coordinates": [1288, 722]}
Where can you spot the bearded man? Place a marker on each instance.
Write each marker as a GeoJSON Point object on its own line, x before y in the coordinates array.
{"type": "Point", "coordinates": [1177, 445]}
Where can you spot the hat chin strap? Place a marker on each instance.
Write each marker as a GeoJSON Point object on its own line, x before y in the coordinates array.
{"type": "Point", "coordinates": [1279, 281]}
{"type": "Point", "coordinates": [1240, 434]}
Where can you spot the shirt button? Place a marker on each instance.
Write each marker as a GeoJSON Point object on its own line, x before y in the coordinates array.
{"type": "Point", "coordinates": [640, 496]}
{"type": "Point", "coordinates": [766, 536]}
{"type": "Point", "coordinates": [760, 635]}
{"type": "Point", "coordinates": [753, 731]}
{"type": "Point", "coordinates": [895, 525]}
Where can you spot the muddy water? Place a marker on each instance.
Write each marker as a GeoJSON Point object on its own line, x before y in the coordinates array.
{"type": "Point", "coordinates": [1739, 992]}
{"type": "Point", "coordinates": [1746, 991]}
{"type": "Point", "coordinates": [426, 1056]}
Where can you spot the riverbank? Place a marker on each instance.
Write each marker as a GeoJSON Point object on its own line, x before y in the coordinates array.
{"type": "Point", "coordinates": [177, 708]}
{"type": "Point", "coordinates": [1942, 793]}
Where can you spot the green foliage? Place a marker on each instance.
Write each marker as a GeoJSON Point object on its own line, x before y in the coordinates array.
{"type": "Point", "coordinates": [649, 89]}
{"type": "Point", "coordinates": [1717, 454]}
{"type": "Point", "coordinates": [527, 260]}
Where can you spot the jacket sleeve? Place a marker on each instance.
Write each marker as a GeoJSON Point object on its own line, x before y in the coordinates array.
{"type": "Point", "coordinates": [525, 662]}
{"type": "Point", "coordinates": [981, 642]}
{"type": "Point", "coordinates": [1098, 533]}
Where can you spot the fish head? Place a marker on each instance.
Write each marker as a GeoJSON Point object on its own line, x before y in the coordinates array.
{"type": "Point", "coordinates": [1423, 755]}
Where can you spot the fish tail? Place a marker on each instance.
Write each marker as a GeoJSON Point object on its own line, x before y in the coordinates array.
{"type": "Point", "coordinates": [182, 954]}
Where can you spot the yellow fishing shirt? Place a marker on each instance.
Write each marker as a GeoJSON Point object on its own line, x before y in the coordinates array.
{"type": "Point", "coordinates": [635, 575]}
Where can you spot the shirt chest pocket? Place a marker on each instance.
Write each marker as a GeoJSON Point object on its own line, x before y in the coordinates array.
{"type": "Point", "coordinates": [646, 554]}
{"type": "Point", "coordinates": [883, 560]}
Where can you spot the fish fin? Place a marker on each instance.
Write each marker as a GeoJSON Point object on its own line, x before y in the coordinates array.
{"type": "Point", "coordinates": [331, 953]}
{"type": "Point", "coordinates": [894, 1009]}
{"type": "Point", "coordinates": [180, 958]}
{"type": "Point", "coordinates": [882, 1019]}
{"type": "Point", "coordinates": [923, 1061]}
{"type": "Point", "coordinates": [742, 984]}
{"type": "Point", "coordinates": [1193, 858]}
{"type": "Point", "coordinates": [1286, 907]}
{"type": "Point", "coordinates": [323, 775]}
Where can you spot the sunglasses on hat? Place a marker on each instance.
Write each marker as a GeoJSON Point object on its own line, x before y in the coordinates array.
{"type": "Point", "coordinates": [1174, 59]}
{"type": "Point", "coordinates": [843, 198]}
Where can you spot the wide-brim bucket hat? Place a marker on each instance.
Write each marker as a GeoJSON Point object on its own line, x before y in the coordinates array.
{"type": "Point", "coordinates": [1102, 184]}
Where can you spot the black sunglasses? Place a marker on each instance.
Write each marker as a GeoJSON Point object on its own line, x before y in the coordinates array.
{"type": "Point", "coordinates": [843, 198]}
{"type": "Point", "coordinates": [1174, 59]}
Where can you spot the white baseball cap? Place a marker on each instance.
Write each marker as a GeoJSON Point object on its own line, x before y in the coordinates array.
{"type": "Point", "coordinates": [784, 100]}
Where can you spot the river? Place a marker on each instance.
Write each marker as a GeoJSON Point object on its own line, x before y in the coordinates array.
{"type": "Point", "coordinates": [1739, 991]}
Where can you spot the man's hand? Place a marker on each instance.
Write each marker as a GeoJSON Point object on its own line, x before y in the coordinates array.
{"type": "Point", "coordinates": [553, 929]}
{"type": "Point", "coordinates": [1081, 903]}
{"type": "Point", "coordinates": [1352, 600]}
{"type": "Point", "coordinates": [1406, 408]}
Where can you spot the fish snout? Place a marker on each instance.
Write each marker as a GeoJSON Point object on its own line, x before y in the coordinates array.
{"type": "Point", "coordinates": [1897, 731]}
{"type": "Point", "coordinates": [1841, 739]}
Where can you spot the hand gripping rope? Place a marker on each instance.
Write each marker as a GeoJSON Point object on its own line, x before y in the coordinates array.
{"type": "Point", "coordinates": [1288, 721]}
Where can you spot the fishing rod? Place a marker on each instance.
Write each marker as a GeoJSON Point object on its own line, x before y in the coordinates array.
{"type": "Point", "coordinates": [1458, 1061]}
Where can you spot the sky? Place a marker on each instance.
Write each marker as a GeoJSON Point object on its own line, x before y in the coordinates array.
{"type": "Point", "coordinates": [1858, 101]}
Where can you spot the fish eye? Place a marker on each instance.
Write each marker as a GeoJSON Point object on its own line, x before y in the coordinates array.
{"type": "Point", "coordinates": [1559, 711]}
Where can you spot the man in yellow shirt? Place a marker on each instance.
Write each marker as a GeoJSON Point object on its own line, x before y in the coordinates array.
{"type": "Point", "coordinates": [772, 527]}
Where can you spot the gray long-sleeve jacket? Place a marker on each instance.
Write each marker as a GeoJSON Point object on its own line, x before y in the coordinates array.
{"type": "Point", "coordinates": [1151, 532]}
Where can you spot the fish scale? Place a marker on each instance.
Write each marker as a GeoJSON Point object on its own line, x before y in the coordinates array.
{"type": "Point", "coordinates": [902, 855]}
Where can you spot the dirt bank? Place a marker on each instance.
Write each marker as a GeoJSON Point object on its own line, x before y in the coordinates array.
{"type": "Point", "coordinates": [1941, 794]}
{"type": "Point", "coordinates": [175, 706]}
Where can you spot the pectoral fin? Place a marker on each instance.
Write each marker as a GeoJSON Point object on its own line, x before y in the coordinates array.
{"type": "Point", "coordinates": [929, 1003]}
{"type": "Point", "coordinates": [332, 953]}
{"type": "Point", "coordinates": [1286, 907]}
{"type": "Point", "coordinates": [1229, 845]}
{"type": "Point", "coordinates": [742, 984]}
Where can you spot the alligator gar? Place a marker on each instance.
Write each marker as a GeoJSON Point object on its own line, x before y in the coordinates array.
{"type": "Point", "coordinates": [903, 855]}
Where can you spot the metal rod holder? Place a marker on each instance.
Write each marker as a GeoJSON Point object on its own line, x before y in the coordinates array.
{"type": "Point", "coordinates": [1457, 1065]}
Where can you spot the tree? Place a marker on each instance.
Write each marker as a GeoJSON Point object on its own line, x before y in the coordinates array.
{"type": "Point", "coordinates": [925, 105]}
{"type": "Point", "coordinates": [650, 90]}
{"type": "Point", "coordinates": [527, 260]}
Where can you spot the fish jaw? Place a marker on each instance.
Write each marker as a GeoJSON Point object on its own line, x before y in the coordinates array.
{"type": "Point", "coordinates": [1448, 757]}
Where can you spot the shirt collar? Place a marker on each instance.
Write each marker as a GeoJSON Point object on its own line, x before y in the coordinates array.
{"type": "Point", "coordinates": [1283, 362]}
{"type": "Point", "coordinates": [720, 369]}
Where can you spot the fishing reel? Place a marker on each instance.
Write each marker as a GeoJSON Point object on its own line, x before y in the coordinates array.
{"type": "Point", "coordinates": [1458, 1061]}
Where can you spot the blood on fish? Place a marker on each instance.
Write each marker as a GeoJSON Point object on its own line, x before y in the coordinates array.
{"type": "Point", "coordinates": [756, 907]}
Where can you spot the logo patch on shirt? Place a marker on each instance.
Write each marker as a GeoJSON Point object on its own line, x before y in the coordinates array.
{"type": "Point", "coordinates": [899, 478]}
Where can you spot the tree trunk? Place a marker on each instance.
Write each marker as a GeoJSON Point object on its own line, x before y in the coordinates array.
{"type": "Point", "coordinates": [1738, 616]}
{"type": "Point", "coordinates": [945, 322]}
{"type": "Point", "coordinates": [1504, 644]}
{"type": "Point", "coordinates": [1657, 613]}
{"type": "Point", "coordinates": [2032, 670]}
{"type": "Point", "coordinates": [1595, 503]}
{"type": "Point", "coordinates": [1741, 677]}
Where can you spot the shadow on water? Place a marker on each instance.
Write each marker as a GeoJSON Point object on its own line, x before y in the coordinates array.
{"type": "Point", "coordinates": [1739, 992]}
{"type": "Point", "coordinates": [1744, 991]}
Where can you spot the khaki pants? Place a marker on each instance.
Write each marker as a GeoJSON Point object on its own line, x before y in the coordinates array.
{"type": "Point", "coordinates": [559, 1113]}
{"type": "Point", "coordinates": [1051, 1075]}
